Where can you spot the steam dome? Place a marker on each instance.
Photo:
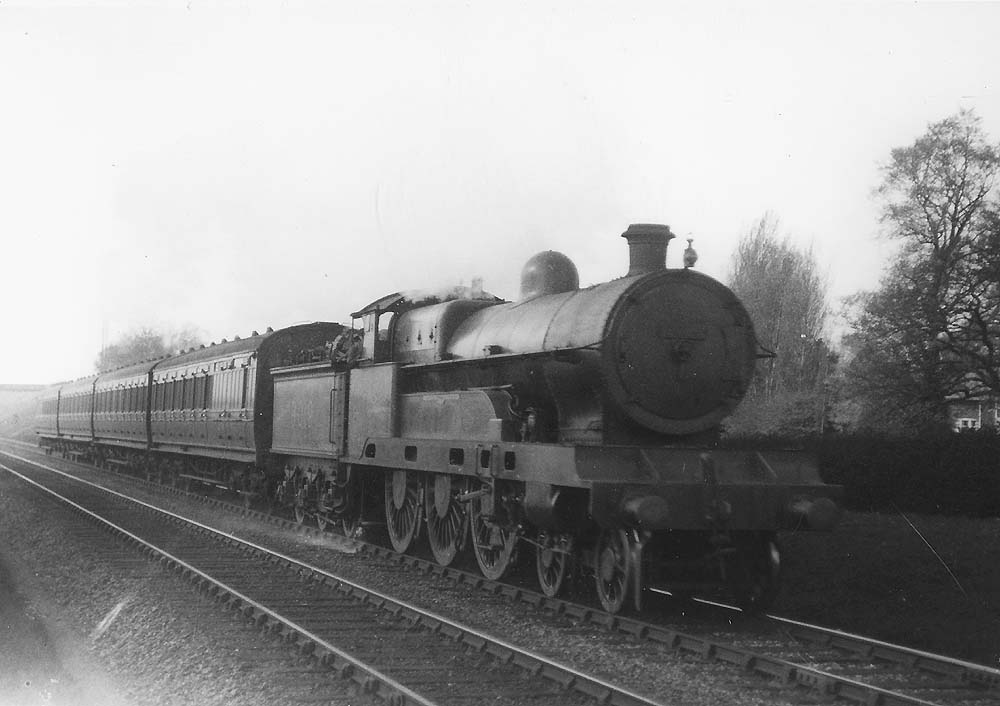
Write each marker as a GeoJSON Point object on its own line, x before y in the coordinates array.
{"type": "Point", "coordinates": [548, 272]}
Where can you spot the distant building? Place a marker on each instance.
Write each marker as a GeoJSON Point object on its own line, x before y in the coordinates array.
{"type": "Point", "coordinates": [974, 413]}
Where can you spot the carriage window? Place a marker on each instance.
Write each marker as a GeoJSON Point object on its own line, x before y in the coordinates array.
{"type": "Point", "coordinates": [233, 382]}
{"type": "Point", "coordinates": [199, 393]}
{"type": "Point", "coordinates": [230, 389]}
{"type": "Point", "coordinates": [225, 384]}
{"type": "Point", "coordinates": [244, 387]}
{"type": "Point", "coordinates": [222, 380]}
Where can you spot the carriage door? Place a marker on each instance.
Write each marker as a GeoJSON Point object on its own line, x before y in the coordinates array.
{"type": "Point", "coordinates": [248, 380]}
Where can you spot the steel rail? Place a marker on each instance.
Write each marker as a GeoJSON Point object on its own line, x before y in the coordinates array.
{"type": "Point", "coordinates": [563, 675]}
{"type": "Point", "coordinates": [982, 675]}
{"type": "Point", "coordinates": [940, 665]}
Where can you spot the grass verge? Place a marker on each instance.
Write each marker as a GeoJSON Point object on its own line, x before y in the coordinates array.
{"type": "Point", "coordinates": [925, 581]}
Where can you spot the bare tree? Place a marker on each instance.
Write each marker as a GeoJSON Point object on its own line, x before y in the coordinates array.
{"type": "Point", "coordinates": [144, 344]}
{"type": "Point", "coordinates": [782, 288]}
{"type": "Point", "coordinates": [786, 296]}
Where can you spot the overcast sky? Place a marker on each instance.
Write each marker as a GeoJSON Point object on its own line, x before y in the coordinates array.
{"type": "Point", "coordinates": [227, 168]}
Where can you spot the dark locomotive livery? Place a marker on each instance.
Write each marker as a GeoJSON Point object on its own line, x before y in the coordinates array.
{"type": "Point", "coordinates": [578, 424]}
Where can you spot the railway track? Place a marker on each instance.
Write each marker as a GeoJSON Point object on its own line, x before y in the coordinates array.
{"type": "Point", "coordinates": [394, 651]}
{"type": "Point", "coordinates": [817, 660]}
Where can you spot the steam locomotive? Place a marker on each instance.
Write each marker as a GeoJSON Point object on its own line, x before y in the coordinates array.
{"type": "Point", "coordinates": [577, 424]}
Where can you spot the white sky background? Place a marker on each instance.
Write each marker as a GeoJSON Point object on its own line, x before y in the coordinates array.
{"type": "Point", "coordinates": [232, 167]}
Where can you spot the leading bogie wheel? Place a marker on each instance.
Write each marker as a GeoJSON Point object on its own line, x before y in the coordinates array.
{"type": "Point", "coordinates": [403, 508]}
{"type": "Point", "coordinates": [612, 569]}
{"type": "Point", "coordinates": [447, 525]}
{"type": "Point", "coordinates": [753, 570]}
{"type": "Point", "coordinates": [493, 542]}
{"type": "Point", "coordinates": [553, 552]}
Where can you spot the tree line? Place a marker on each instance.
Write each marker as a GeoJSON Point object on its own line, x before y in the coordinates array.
{"type": "Point", "coordinates": [927, 336]}
{"type": "Point", "coordinates": [145, 343]}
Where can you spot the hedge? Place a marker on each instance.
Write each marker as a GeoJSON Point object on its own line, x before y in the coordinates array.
{"type": "Point", "coordinates": [948, 474]}
{"type": "Point", "coordinates": [953, 474]}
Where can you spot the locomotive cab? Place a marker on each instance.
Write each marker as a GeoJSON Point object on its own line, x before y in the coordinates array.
{"type": "Point", "coordinates": [414, 327]}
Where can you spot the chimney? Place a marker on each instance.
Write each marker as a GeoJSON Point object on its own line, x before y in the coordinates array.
{"type": "Point", "coordinates": [647, 247]}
